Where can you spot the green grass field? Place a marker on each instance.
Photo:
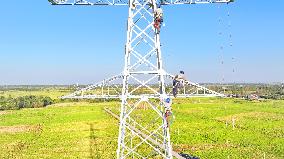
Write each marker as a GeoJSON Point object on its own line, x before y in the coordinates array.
{"type": "Point", "coordinates": [52, 93]}
{"type": "Point", "coordinates": [202, 127]}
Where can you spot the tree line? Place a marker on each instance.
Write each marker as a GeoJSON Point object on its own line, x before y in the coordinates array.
{"type": "Point", "coordinates": [9, 103]}
{"type": "Point", "coordinates": [266, 91]}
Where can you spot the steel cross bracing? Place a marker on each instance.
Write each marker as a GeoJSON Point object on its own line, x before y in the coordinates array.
{"type": "Point", "coordinates": [143, 85]}
{"type": "Point", "coordinates": [111, 89]}
{"type": "Point", "coordinates": [126, 2]}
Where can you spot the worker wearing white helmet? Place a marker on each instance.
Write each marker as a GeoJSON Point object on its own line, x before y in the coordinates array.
{"type": "Point", "coordinates": [178, 82]}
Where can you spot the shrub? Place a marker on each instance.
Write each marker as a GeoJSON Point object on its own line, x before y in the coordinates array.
{"type": "Point", "coordinates": [24, 102]}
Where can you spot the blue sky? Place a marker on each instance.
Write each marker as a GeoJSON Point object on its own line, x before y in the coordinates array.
{"type": "Point", "coordinates": [44, 44]}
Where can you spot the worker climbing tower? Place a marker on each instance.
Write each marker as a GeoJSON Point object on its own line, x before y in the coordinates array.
{"type": "Point", "coordinates": [145, 95]}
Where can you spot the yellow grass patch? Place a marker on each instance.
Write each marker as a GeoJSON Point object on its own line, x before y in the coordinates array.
{"type": "Point", "coordinates": [183, 147]}
{"type": "Point", "coordinates": [3, 112]}
{"type": "Point", "coordinates": [20, 128]}
{"type": "Point", "coordinates": [189, 111]}
{"type": "Point", "coordinates": [254, 115]}
{"type": "Point", "coordinates": [143, 105]}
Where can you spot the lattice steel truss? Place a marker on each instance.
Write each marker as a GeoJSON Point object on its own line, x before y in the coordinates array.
{"type": "Point", "coordinates": [143, 85]}
{"type": "Point", "coordinates": [111, 89]}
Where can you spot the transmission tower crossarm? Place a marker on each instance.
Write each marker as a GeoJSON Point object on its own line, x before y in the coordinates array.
{"type": "Point", "coordinates": [126, 2]}
{"type": "Point", "coordinates": [171, 2]}
{"type": "Point", "coordinates": [88, 2]}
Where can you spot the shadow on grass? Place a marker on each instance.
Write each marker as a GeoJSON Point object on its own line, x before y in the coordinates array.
{"type": "Point", "coordinates": [93, 153]}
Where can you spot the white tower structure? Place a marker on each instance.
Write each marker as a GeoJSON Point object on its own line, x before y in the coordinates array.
{"type": "Point", "coordinates": [144, 87]}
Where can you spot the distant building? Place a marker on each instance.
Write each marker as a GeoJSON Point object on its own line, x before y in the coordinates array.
{"type": "Point", "coordinates": [253, 97]}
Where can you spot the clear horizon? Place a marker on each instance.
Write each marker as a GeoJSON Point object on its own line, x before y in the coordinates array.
{"type": "Point", "coordinates": [42, 44]}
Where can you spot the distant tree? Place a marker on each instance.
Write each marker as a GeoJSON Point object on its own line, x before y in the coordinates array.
{"type": "Point", "coordinates": [24, 102]}
{"type": "Point", "coordinates": [47, 101]}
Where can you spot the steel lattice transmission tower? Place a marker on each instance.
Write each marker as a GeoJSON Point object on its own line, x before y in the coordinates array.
{"type": "Point", "coordinates": [143, 130]}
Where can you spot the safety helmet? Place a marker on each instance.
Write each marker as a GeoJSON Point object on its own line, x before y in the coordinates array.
{"type": "Point", "coordinates": [168, 100]}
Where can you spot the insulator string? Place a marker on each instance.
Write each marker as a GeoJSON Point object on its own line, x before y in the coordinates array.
{"type": "Point", "coordinates": [233, 57]}
{"type": "Point", "coordinates": [221, 49]}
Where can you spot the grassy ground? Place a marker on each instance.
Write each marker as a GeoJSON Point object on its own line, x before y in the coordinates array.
{"type": "Point", "coordinates": [202, 127]}
{"type": "Point", "coordinates": [52, 93]}
{"type": "Point", "coordinates": [228, 128]}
